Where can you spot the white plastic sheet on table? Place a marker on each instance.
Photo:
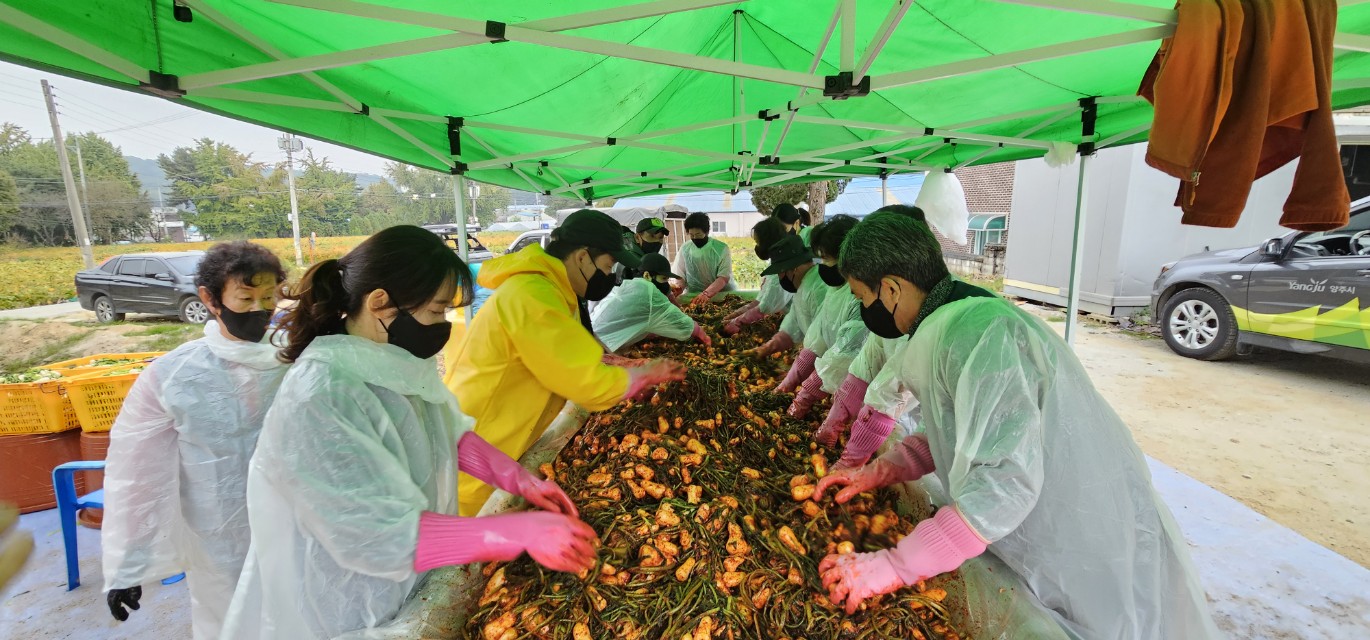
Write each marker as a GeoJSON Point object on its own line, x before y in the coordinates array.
{"type": "Point", "coordinates": [989, 602]}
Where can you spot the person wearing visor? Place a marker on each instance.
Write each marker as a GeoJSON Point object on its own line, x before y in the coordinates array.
{"type": "Point", "coordinates": [651, 232]}
{"type": "Point", "coordinates": [771, 298]}
{"type": "Point", "coordinates": [176, 471]}
{"type": "Point", "coordinates": [836, 335]}
{"type": "Point", "coordinates": [1039, 470]}
{"type": "Point", "coordinates": [352, 490]}
{"type": "Point", "coordinates": [793, 263]}
{"type": "Point", "coordinates": [527, 353]}
{"type": "Point", "coordinates": [706, 263]}
{"type": "Point", "coordinates": [641, 307]}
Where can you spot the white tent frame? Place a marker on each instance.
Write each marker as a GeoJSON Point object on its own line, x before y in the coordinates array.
{"type": "Point", "coordinates": [745, 163]}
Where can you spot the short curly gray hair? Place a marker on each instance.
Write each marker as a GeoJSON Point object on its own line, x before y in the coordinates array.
{"type": "Point", "coordinates": [892, 244]}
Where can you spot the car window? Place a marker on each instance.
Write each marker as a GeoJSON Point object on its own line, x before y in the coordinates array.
{"type": "Point", "coordinates": [156, 267]}
{"type": "Point", "coordinates": [186, 265]}
{"type": "Point", "coordinates": [1334, 243]}
{"type": "Point", "coordinates": [131, 267]}
{"type": "Point", "coordinates": [472, 244]}
{"type": "Point", "coordinates": [110, 265]}
{"type": "Point", "coordinates": [523, 242]}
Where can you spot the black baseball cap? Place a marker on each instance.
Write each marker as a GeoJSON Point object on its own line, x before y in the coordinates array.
{"type": "Point", "coordinates": [657, 265]}
{"type": "Point", "coordinates": [596, 229]}
{"type": "Point", "coordinates": [652, 224]}
{"type": "Point", "coordinates": [787, 253]}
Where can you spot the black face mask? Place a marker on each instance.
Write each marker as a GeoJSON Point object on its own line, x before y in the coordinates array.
{"type": "Point", "coordinates": [880, 320]}
{"type": "Point", "coordinates": [651, 247]}
{"type": "Point", "coordinates": [830, 275]}
{"type": "Point", "coordinates": [421, 340]}
{"type": "Point", "coordinates": [597, 285]}
{"type": "Point", "coordinates": [788, 284]}
{"type": "Point", "coordinates": [246, 325]}
{"type": "Point", "coordinates": [700, 242]}
{"type": "Point", "coordinates": [664, 288]}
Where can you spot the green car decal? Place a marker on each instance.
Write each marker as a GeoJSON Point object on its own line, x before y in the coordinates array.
{"type": "Point", "coordinates": [1347, 325]}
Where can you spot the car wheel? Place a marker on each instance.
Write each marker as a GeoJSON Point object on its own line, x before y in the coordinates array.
{"type": "Point", "coordinates": [1198, 323]}
{"type": "Point", "coordinates": [194, 312]}
{"type": "Point", "coordinates": [104, 310]}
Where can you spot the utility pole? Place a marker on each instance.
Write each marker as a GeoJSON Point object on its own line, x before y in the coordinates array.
{"type": "Point", "coordinates": [85, 192]}
{"type": "Point", "coordinates": [290, 144]}
{"type": "Point", "coordinates": [78, 220]}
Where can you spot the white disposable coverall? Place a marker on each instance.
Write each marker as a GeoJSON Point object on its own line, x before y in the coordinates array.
{"type": "Point", "coordinates": [885, 392]}
{"type": "Point", "coordinates": [836, 336]}
{"type": "Point", "coordinates": [176, 472]}
{"type": "Point", "coordinates": [361, 439]}
{"type": "Point", "coordinates": [635, 309]}
{"type": "Point", "coordinates": [1042, 468]}
{"type": "Point", "coordinates": [772, 298]}
{"type": "Point", "coordinates": [700, 267]}
{"type": "Point", "coordinates": [808, 299]}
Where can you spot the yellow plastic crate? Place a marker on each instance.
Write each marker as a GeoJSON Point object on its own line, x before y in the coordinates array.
{"type": "Point", "coordinates": [35, 407]}
{"type": "Point", "coordinates": [81, 366]}
{"type": "Point", "coordinates": [98, 397]}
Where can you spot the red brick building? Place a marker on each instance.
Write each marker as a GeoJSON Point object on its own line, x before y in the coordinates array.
{"type": "Point", "coordinates": [989, 192]}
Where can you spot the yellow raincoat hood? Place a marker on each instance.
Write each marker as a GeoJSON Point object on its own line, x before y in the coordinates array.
{"type": "Point", "coordinates": [524, 355]}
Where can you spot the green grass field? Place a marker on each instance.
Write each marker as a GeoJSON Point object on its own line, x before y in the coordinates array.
{"type": "Point", "coordinates": [31, 277]}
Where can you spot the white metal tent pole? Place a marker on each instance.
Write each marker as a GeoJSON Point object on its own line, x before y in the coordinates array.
{"type": "Point", "coordinates": [78, 221]}
{"type": "Point", "coordinates": [459, 197]}
{"type": "Point", "coordinates": [1088, 115]}
{"type": "Point", "coordinates": [884, 190]}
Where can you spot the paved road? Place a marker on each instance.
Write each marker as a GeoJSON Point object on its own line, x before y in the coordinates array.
{"type": "Point", "coordinates": [42, 313]}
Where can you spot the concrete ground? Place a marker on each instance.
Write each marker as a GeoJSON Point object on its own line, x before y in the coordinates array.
{"type": "Point", "coordinates": [44, 312]}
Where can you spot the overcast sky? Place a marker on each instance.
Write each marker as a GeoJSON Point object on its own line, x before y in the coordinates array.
{"type": "Point", "coordinates": [143, 125]}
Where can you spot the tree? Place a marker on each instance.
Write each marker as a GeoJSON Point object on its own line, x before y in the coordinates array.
{"type": "Point", "coordinates": [559, 202]}
{"type": "Point", "coordinates": [821, 192]}
{"type": "Point", "coordinates": [492, 200]}
{"type": "Point", "coordinates": [9, 202]}
{"type": "Point", "coordinates": [12, 136]}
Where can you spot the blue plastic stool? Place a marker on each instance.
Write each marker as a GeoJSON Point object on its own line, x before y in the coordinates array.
{"type": "Point", "coordinates": [64, 486]}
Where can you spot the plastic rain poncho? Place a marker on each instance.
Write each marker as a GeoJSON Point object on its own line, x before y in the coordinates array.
{"type": "Point", "coordinates": [886, 393]}
{"type": "Point", "coordinates": [808, 299]}
{"type": "Point", "coordinates": [836, 335]}
{"type": "Point", "coordinates": [772, 298]}
{"type": "Point", "coordinates": [635, 309]}
{"type": "Point", "coordinates": [1041, 467]}
{"type": "Point", "coordinates": [176, 471]}
{"type": "Point", "coordinates": [700, 267]}
{"type": "Point", "coordinates": [361, 439]}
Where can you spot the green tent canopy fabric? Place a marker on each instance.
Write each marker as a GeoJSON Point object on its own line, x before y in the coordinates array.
{"type": "Point", "coordinates": [601, 98]}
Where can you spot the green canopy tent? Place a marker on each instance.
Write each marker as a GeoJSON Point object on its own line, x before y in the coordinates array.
{"type": "Point", "coordinates": [611, 98]}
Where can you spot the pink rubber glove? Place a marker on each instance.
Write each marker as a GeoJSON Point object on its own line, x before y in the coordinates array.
{"type": "Point", "coordinates": [741, 310]}
{"type": "Point", "coordinates": [482, 461]}
{"type": "Point", "coordinates": [698, 334]}
{"type": "Point", "coordinates": [615, 360]}
{"type": "Point", "coordinates": [809, 393]}
{"type": "Point", "coordinates": [867, 434]}
{"type": "Point", "coordinates": [712, 290]}
{"type": "Point", "coordinates": [937, 545]}
{"type": "Point", "coordinates": [845, 404]}
{"type": "Point", "coordinates": [555, 541]}
{"type": "Point", "coordinates": [781, 341]}
{"type": "Point", "coordinates": [799, 371]}
{"type": "Point", "coordinates": [749, 316]}
{"type": "Point", "coordinates": [642, 378]}
{"type": "Point", "coordinates": [909, 461]}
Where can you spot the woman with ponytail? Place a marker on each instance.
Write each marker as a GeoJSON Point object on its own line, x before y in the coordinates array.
{"type": "Point", "coordinates": [352, 488]}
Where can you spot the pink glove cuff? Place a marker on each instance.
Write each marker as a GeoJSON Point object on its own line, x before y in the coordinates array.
{"type": "Point", "coordinates": [716, 286]}
{"type": "Point", "coordinates": [750, 316]}
{"type": "Point", "coordinates": [449, 540]}
{"type": "Point", "coordinates": [799, 371]}
{"type": "Point", "coordinates": [482, 461]}
{"type": "Point", "coordinates": [912, 457]}
{"type": "Point", "coordinates": [851, 394]}
{"type": "Point", "coordinates": [938, 545]}
{"type": "Point", "coordinates": [813, 386]}
{"type": "Point", "coordinates": [867, 434]}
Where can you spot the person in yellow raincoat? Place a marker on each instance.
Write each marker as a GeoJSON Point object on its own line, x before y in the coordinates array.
{"type": "Point", "coordinates": [527, 352]}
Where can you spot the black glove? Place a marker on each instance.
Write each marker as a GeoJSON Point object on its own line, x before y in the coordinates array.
{"type": "Point", "coordinates": [120, 598]}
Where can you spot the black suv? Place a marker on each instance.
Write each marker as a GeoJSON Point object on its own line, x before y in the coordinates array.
{"type": "Point", "coordinates": [156, 283]}
{"type": "Point", "coordinates": [1301, 292]}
